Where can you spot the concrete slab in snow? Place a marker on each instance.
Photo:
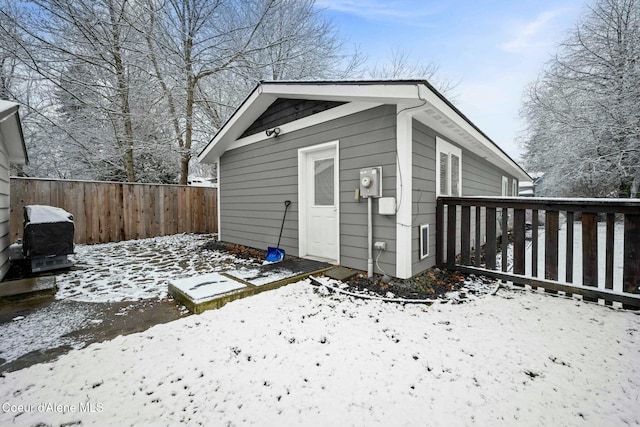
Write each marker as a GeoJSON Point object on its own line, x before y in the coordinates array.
{"type": "Point", "coordinates": [204, 287]}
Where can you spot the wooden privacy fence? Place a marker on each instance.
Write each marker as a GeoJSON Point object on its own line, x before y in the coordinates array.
{"type": "Point", "coordinates": [112, 212]}
{"type": "Point", "coordinates": [580, 246]}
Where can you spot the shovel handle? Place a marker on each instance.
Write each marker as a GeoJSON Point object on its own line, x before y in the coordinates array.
{"type": "Point", "coordinates": [287, 203]}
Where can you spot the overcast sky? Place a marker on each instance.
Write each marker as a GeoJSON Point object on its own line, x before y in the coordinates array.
{"type": "Point", "coordinates": [494, 48]}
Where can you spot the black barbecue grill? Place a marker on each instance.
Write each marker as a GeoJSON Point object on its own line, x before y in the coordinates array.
{"type": "Point", "coordinates": [47, 238]}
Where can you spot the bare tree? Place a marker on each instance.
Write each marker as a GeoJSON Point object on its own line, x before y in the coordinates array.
{"type": "Point", "coordinates": [205, 53]}
{"type": "Point", "coordinates": [398, 65]}
{"type": "Point", "coordinates": [130, 89]}
{"type": "Point", "coordinates": [583, 114]}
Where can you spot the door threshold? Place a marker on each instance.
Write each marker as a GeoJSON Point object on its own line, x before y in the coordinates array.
{"type": "Point", "coordinates": [321, 259]}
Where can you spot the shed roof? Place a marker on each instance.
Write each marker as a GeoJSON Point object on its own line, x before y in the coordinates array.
{"type": "Point", "coordinates": [426, 104]}
{"type": "Point", "coordinates": [11, 130]}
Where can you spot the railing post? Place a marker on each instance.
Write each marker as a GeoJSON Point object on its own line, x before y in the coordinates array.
{"type": "Point", "coordinates": [631, 269]}
{"type": "Point", "coordinates": [534, 242]}
{"type": "Point", "coordinates": [504, 239]}
{"type": "Point", "coordinates": [439, 232]}
{"type": "Point", "coordinates": [519, 241]}
{"type": "Point", "coordinates": [478, 237]}
{"type": "Point", "coordinates": [465, 235]}
{"type": "Point", "coordinates": [590, 249]}
{"type": "Point", "coordinates": [608, 275]}
{"type": "Point", "coordinates": [451, 234]}
{"type": "Point", "coordinates": [569, 255]}
{"type": "Point", "coordinates": [490, 247]}
{"type": "Point", "coordinates": [551, 245]}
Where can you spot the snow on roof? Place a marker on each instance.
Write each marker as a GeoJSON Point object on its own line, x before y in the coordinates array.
{"type": "Point", "coordinates": [42, 214]}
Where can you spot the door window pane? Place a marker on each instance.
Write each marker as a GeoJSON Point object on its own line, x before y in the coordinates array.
{"type": "Point", "coordinates": [323, 175]}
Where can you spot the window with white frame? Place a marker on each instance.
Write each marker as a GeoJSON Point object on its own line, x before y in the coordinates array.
{"type": "Point", "coordinates": [505, 186]}
{"type": "Point", "coordinates": [424, 241]}
{"type": "Point", "coordinates": [514, 188]}
{"type": "Point", "coordinates": [448, 169]}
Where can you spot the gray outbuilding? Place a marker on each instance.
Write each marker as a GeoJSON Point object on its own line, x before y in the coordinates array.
{"type": "Point", "coordinates": [326, 146]}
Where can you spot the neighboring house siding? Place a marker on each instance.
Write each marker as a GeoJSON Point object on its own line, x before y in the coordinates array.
{"type": "Point", "coordinates": [255, 180]}
{"type": "Point", "coordinates": [4, 208]}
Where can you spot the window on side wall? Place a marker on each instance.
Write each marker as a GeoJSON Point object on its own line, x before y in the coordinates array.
{"type": "Point", "coordinates": [514, 188]}
{"type": "Point", "coordinates": [505, 186]}
{"type": "Point", "coordinates": [448, 169]}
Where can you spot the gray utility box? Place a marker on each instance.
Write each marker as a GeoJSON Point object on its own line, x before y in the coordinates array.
{"type": "Point", "coordinates": [371, 182]}
{"type": "Point", "coordinates": [47, 238]}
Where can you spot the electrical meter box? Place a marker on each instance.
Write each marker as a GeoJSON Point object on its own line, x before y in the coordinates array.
{"type": "Point", "coordinates": [371, 182]}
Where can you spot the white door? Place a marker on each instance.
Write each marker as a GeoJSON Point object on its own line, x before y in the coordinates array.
{"type": "Point", "coordinates": [319, 202]}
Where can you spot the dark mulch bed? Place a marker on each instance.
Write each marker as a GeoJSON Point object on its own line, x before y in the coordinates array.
{"type": "Point", "coordinates": [239, 251]}
{"type": "Point", "coordinates": [431, 284]}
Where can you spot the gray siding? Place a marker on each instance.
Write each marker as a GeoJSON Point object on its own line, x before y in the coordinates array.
{"type": "Point", "coordinates": [424, 194]}
{"type": "Point", "coordinates": [255, 180]}
{"type": "Point", "coordinates": [4, 208]}
{"type": "Point", "coordinates": [479, 178]}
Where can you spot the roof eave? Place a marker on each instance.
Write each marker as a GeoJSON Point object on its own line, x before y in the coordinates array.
{"type": "Point", "coordinates": [405, 92]}
{"type": "Point", "coordinates": [12, 130]}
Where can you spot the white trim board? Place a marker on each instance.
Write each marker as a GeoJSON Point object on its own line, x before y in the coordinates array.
{"type": "Point", "coordinates": [443, 146]}
{"type": "Point", "coordinates": [305, 122]}
{"type": "Point", "coordinates": [404, 189]}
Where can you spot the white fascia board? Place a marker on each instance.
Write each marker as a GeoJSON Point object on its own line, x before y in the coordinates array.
{"type": "Point", "coordinates": [496, 156]}
{"type": "Point", "coordinates": [380, 93]}
{"type": "Point", "coordinates": [242, 118]}
{"type": "Point", "coordinates": [305, 122]}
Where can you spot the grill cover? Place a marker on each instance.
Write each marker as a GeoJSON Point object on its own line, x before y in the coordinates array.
{"type": "Point", "coordinates": [48, 231]}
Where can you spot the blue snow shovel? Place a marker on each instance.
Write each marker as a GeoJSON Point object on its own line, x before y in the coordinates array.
{"type": "Point", "coordinates": [276, 254]}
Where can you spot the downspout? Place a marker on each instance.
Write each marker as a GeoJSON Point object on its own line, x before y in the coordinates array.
{"type": "Point", "coordinates": [218, 207]}
{"type": "Point", "coordinates": [370, 237]}
{"type": "Point", "coordinates": [404, 185]}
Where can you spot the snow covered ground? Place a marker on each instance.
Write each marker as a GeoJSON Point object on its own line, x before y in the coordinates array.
{"type": "Point", "coordinates": [301, 355]}
{"type": "Point", "coordinates": [130, 271]}
{"type": "Point", "coordinates": [138, 269]}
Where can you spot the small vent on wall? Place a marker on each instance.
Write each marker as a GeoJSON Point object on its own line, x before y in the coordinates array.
{"type": "Point", "coordinates": [424, 241]}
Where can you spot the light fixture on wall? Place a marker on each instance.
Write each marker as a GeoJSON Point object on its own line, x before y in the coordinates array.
{"type": "Point", "coordinates": [273, 132]}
